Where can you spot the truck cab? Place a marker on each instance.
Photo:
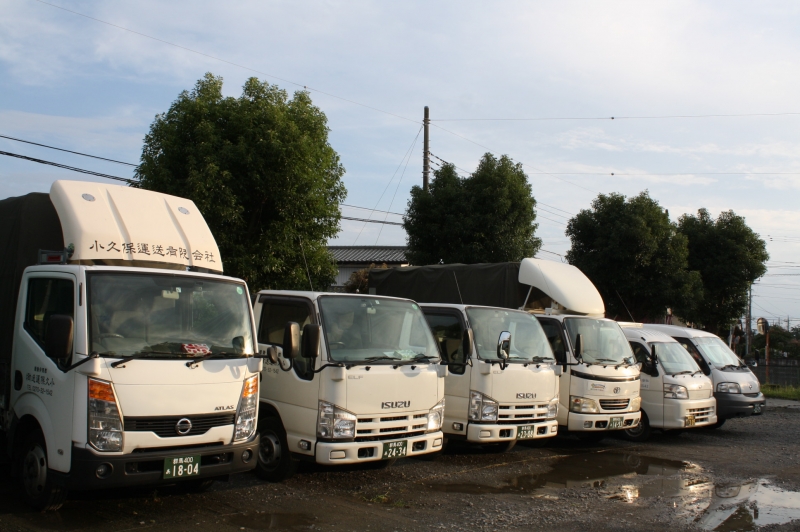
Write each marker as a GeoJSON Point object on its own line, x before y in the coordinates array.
{"type": "Point", "coordinates": [675, 393]}
{"type": "Point", "coordinates": [736, 388]}
{"type": "Point", "coordinates": [348, 379]}
{"type": "Point", "coordinates": [502, 384]}
{"type": "Point", "coordinates": [128, 365]}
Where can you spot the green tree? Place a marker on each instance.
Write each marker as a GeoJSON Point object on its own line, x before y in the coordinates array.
{"type": "Point", "coordinates": [634, 256]}
{"type": "Point", "coordinates": [729, 257]}
{"type": "Point", "coordinates": [486, 217]}
{"type": "Point", "coordinates": [261, 170]}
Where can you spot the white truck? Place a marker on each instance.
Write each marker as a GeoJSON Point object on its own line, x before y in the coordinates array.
{"type": "Point", "coordinates": [502, 384]}
{"type": "Point", "coordinates": [348, 379]}
{"type": "Point", "coordinates": [124, 361]}
{"type": "Point", "coordinates": [599, 385]}
{"type": "Point", "coordinates": [675, 393]}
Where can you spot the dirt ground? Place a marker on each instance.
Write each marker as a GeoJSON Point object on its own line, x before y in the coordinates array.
{"type": "Point", "coordinates": [743, 476]}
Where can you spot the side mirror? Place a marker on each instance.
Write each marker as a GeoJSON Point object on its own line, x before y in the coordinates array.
{"type": "Point", "coordinates": [309, 346]}
{"type": "Point", "coordinates": [579, 348]}
{"type": "Point", "coordinates": [58, 339]}
{"type": "Point", "coordinates": [466, 343]}
{"type": "Point", "coordinates": [291, 340]}
{"type": "Point", "coordinates": [503, 345]}
{"type": "Point", "coordinates": [653, 358]}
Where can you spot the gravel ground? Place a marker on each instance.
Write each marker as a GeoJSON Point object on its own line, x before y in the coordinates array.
{"type": "Point", "coordinates": [742, 476]}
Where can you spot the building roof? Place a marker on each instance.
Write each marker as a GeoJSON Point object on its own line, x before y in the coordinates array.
{"type": "Point", "coordinates": [369, 254]}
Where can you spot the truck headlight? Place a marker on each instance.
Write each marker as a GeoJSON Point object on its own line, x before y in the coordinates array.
{"type": "Point", "coordinates": [583, 405]}
{"type": "Point", "coordinates": [675, 391]}
{"type": "Point", "coordinates": [729, 387]}
{"type": "Point", "coordinates": [552, 408]}
{"type": "Point", "coordinates": [482, 407]}
{"type": "Point", "coordinates": [636, 404]}
{"type": "Point", "coordinates": [246, 414]}
{"type": "Point", "coordinates": [105, 421]}
{"type": "Point", "coordinates": [436, 417]}
{"type": "Point", "coordinates": [335, 422]}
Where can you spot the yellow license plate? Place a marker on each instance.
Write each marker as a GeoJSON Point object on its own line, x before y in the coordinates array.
{"type": "Point", "coordinates": [690, 421]}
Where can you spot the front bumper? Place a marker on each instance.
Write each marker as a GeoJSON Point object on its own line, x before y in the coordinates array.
{"type": "Point", "coordinates": [478, 433]}
{"type": "Point", "coordinates": [738, 404]}
{"type": "Point", "coordinates": [599, 422]}
{"type": "Point", "coordinates": [146, 468]}
{"type": "Point", "coordinates": [335, 453]}
{"type": "Point", "coordinates": [677, 411]}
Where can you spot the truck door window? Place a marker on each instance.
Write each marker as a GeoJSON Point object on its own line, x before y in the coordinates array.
{"type": "Point", "coordinates": [643, 355]}
{"type": "Point", "coordinates": [448, 331]}
{"type": "Point", "coordinates": [552, 330]}
{"type": "Point", "coordinates": [274, 315]}
{"type": "Point", "coordinates": [45, 298]}
{"type": "Point", "coordinates": [690, 347]}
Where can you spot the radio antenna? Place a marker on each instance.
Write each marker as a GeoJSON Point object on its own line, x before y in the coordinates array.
{"type": "Point", "coordinates": [458, 288]}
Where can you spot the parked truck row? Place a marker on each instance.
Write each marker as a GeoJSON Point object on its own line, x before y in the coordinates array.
{"type": "Point", "coordinates": [127, 358]}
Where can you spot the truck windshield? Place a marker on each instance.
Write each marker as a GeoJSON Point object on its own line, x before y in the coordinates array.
{"type": "Point", "coordinates": [674, 358]}
{"type": "Point", "coordinates": [376, 330]}
{"type": "Point", "coordinates": [715, 351]}
{"type": "Point", "coordinates": [528, 341]}
{"type": "Point", "coordinates": [167, 316]}
{"type": "Point", "coordinates": [603, 341]}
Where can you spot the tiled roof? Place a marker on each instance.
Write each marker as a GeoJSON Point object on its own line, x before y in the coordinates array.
{"type": "Point", "coordinates": [369, 254]}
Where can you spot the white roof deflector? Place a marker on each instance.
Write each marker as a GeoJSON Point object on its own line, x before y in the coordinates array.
{"type": "Point", "coordinates": [564, 284]}
{"type": "Point", "coordinates": [111, 224]}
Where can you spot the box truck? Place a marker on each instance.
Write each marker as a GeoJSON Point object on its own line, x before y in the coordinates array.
{"type": "Point", "coordinates": [126, 359]}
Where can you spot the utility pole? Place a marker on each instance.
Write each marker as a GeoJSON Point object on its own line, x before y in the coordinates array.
{"type": "Point", "coordinates": [749, 317]}
{"type": "Point", "coordinates": [426, 157]}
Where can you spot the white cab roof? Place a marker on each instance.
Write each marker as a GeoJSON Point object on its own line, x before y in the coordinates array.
{"type": "Point", "coordinates": [635, 331]}
{"type": "Point", "coordinates": [126, 226]}
{"type": "Point", "coordinates": [684, 332]}
{"type": "Point", "coordinates": [563, 283]}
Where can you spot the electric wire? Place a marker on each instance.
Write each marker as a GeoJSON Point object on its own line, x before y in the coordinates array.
{"type": "Point", "coordinates": [548, 118]}
{"type": "Point", "coordinates": [371, 221]}
{"type": "Point", "coordinates": [66, 167]}
{"type": "Point", "coordinates": [68, 151]}
{"type": "Point", "coordinates": [399, 181]}
{"type": "Point", "coordinates": [368, 209]}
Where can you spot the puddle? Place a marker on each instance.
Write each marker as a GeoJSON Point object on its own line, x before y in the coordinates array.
{"type": "Point", "coordinates": [271, 521]}
{"type": "Point", "coordinates": [582, 470]}
{"type": "Point", "coordinates": [748, 507]}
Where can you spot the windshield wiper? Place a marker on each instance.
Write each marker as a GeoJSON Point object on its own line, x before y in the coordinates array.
{"type": "Point", "coordinates": [139, 355]}
{"type": "Point", "coordinates": [380, 357]}
{"type": "Point", "coordinates": [696, 372]}
{"type": "Point", "coordinates": [420, 357]}
{"type": "Point", "coordinates": [193, 362]}
{"type": "Point", "coordinates": [685, 372]}
{"type": "Point", "coordinates": [726, 366]}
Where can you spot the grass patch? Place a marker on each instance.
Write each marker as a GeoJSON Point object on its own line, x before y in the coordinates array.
{"type": "Point", "coordinates": [781, 392]}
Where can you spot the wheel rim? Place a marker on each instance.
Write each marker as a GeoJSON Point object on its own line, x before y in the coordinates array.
{"type": "Point", "coordinates": [638, 430]}
{"type": "Point", "coordinates": [34, 471]}
{"type": "Point", "coordinates": [269, 452]}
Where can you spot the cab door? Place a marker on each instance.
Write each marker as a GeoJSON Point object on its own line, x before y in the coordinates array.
{"type": "Point", "coordinates": [447, 326]}
{"type": "Point", "coordinates": [651, 385]}
{"type": "Point", "coordinates": [554, 331]}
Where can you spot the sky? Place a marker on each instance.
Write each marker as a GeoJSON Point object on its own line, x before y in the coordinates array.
{"type": "Point", "coordinates": [703, 95]}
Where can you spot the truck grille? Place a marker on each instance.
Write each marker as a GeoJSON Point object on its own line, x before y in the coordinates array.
{"type": "Point", "coordinates": [391, 427]}
{"type": "Point", "coordinates": [699, 394]}
{"type": "Point", "coordinates": [521, 414]}
{"type": "Point", "coordinates": [614, 404]}
{"type": "Point", "coordinates": [701, 415]}
{"type": "Point", "coordinates": [164, 426]}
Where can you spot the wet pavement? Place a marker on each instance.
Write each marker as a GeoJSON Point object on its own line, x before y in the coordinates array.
{"type": "Point", "coordinates": [744, 476]}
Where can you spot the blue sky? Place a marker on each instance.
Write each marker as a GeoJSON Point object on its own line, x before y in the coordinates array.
{"type": "Point", "coordinates": [76, 83]}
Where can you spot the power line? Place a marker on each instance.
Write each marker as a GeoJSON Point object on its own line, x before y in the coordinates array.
{"type": "Point", "coordinates": [305, 87]}
{"type": "Point", "coordinates": [408, 159]}
{"type": "Point", "coordinates": [65, 167]}
{"type": "Point", "coordinates": [368, 209]}
{"type": "Point", "coordinates": [547, 118]}
{"type": "Point", "coordinates": [371, 221]}
{"type": "Point", "coordinates": [68, 151]}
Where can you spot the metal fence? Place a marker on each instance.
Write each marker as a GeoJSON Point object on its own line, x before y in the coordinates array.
{"type": "Point", "coordinates": [780, 375]}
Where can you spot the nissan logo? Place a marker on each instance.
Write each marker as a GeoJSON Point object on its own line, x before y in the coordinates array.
{"type": "Point", "coordinates": [183, 426]}
{"type": "Point", "coordinates": [617, 389]}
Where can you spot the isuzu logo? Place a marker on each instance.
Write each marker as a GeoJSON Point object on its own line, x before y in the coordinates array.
{"type": "Point", "coordinates": [183, 426]}
{"type": "Point", "coordinates": [526, 395]}
{"type": "Point", "coordinates": [617, 389]}
{"type": "Point", "coordinates": [395, 404]}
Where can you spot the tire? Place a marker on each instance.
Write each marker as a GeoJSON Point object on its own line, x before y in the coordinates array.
{"type": "Point", "coordinates": [640, 432]}
{"type": "Point", "coordinates": [716, 425]}
{"type": "Point", "coordinates": [502, 447]}
{"type": "Point", "coordinates": [591, 438]}
{"type": "Point", "coordinates": [33, 474]}
{"type": "Point", "coordinates": [274, 462]}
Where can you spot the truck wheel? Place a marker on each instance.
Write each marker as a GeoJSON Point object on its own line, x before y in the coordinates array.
{"type": "Point", "coordinates": [274, 463]}
{"type": "Point", "coordinates": [36, 482]}
{"type": "Point", "coordinates": [640, 432]}
{"type": "Point", "coordinates": [717, 425]}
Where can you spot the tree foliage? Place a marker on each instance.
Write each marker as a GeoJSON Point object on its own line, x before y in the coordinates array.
{"type": "Point", "coordinates": [261, 171]}
{"type": "Point", "coordinates": [729, 257]}
{"type": "Point", "coordinates": [486, 217]}
{"type": "Point", "coordinates": [634, 256]}
{"type": "Point", "coordinates": [358, 283]}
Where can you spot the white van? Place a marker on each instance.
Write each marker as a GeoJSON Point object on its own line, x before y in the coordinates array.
{"type": "Point", "coordinates": [675, 393]}
{"type": "Point", "coordinates": [736, 388]}
{"type": "Point", "coordinates": [502, 381]}
{"type": "Point", "coordinates": [348, 379]}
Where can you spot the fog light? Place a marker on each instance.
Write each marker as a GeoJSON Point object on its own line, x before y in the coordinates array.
{"type": "Point", "coordinates": [587, 424]}
{"type": "Point", "coordinates": [437, 442]}
{"type": "Point", "coordinates": [458, 426]}
{"type": "Point", "coordinates": [104, 470]}
{"type": "Point", "coordinates": [304, 444]}
{"type": "Point", "coordinates": [247, 454]}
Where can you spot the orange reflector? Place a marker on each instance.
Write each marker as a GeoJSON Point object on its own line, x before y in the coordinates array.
{"type": "Point", "coordinates": [101, 390]}
{"type": "Point", "coordinates": [250, 387]}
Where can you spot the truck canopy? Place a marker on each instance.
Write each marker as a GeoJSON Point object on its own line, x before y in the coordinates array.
{"type": "Point", "coordinates": [568, 289]}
